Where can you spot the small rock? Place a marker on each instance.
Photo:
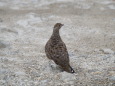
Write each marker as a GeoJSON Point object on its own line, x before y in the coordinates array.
{"type": "Point", "coordinates": [105, 57]}
{"type": "Point", "coordinates": [2, 82]}
{"type": "Point", "coordinates": [107, 51]}
{"type": "Point", "coordinates": [8, 30]}
{"type": "Point", "coordinates": [20, 73]}
{"type": "Point", "coordinates": [96, 50]}
{"type": "Point", "coordinates": [71, 54]}
{"type": "Point", "coordinates": [2, 45]}
{"type": "Point", "coordinates": [67, 76]}
{"type": "Point", "coordinates": [112, 78]}
{"type": "Point", "coordinates": [97, 73]}
{"type": "Point", "coordinates": [1, 20]}
{"type": "Point", "coordinates": [92, 70]}
{"type": "Point", "coordinates": [111, 73]}
{"type": "Point", "coordinates": [113, 84]}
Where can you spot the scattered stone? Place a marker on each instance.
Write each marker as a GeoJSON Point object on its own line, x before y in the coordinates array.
{"type": "Point", "coordinates": [1, 20]}
{"type": "Point", "coordinates": [92, 70]}
{"type": "Point", "coordinates": [71, 54]}
{"type": "Point", "coordinates": [113, 84]}
{"type": "Point", "coordinates": [111, 7]}
{"type": "Point", "coordinates": [105, 57]}
{"type": "Point", "coordinates": [112, 78]}
{"type": "Point", "coordinates": [22, 57]}
{"type": "Point", "coordinates": [97, 73]}
{"type": "Point", "coordinates": [111, 73]}
{"type": "Point", "coordinates": [67, 76]}
{"type": "Point", "coordinates": [8, 30]}
{"type": "Point", "coordinates": [107, 51]}
{"type": "Point", "coordinates": [97, 50]}
{"type": "Point", "coordinates": [2, 45]}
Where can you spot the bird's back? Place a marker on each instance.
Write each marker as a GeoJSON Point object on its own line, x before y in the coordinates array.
{"type": "Point", "coordinates": [56, 50]}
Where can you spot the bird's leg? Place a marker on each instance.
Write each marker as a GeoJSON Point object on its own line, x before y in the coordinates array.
{"type": "Point", "coordinates": [50, 63]}
{"type": "Point", "coordinates": [60, 68]}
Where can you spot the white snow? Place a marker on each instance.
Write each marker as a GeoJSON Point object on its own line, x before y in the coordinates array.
{"type": "Point", "coordinates": [112, 7]}
{"type": "Point", "coordinates": [30, 20]}
{"type": "Point", "coordinates": [105, 2]}
{"type": "Point", "coordinates": [107, 51]}
{"type": "Point", "coordinates": [102, 8]}
{"type": "Point", "coordinates": [2, 4]}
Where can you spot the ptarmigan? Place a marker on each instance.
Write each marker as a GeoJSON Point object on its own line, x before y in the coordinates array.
{"type": "Point", "coordinates": [56, 50]}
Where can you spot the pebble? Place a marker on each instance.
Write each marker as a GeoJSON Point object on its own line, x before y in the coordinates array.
{"type": "Point", "coordinates": [97, 73]}
{"type": "Point", "coordinates": [67, 76]}
{"type": "Point", "coordinates": [112, 78]}
{"type": "Point", "coordinates": [107, 51]}
{"type": "Point", "coordinates": [1, 20]}
{"type": "Point", "coordinates": [111, 73]}
{"type": "Point", "coordinates": [2, 45]}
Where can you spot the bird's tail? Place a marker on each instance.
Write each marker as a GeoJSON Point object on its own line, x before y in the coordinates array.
{"type": "Point", "coordinates": [72, 71]}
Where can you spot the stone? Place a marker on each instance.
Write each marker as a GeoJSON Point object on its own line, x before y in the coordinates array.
{"type": "Point", "coordinates": [107, 51]}
{"type": "Point", "coordinates": [2, 45]}
{"type": "Point", "coordinates": [1, 20]}
{"type": "Point", "coordinates": [67, 76]}
{"type": "Point", "coordinates": [112, 78]}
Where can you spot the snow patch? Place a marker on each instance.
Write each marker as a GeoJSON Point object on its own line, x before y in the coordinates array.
{"type": "Point", "coordinates": [105, 2]}
{"type": "Point", "coordinates": [113, 19]}
{"type": "Point", "coordinates": [20, 73]}
{"type": "Point", "coordinates": [2, 4]}
{"type": "Point", "coordinates": [112, 7]}
{"type": "Point", "coordinates": [15, 8]}
{"type": "Point", "coordinates": [29, 20]}
{"type": "Point", "coordinates": [102, 8]}
{"type": "Point", "coordinates": [83, 5]}
{"type": "Point", "coordinates": [107, 51]}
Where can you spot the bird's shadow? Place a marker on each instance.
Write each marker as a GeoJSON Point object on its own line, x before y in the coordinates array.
{"type": "Point", "coordinates": [56, 68]}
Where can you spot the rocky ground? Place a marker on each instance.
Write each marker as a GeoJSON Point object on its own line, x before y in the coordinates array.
{"type": "Point", "coordinates": [88, 32]}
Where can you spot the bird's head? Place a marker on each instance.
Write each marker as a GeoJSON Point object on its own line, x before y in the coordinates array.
{"type": "Point", "coordinates": [58, 25]}
{"type": "Point", "coordinates": [68, 68]}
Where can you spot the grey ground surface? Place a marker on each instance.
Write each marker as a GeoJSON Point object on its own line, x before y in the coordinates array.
{"type": "Point", "coordinates": [88, 32]}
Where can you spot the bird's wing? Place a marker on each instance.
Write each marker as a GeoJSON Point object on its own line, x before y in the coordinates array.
{"type": "Point", "coordinates": [48, 50]}
{"type": "Point", "coordinates": [60, 53]}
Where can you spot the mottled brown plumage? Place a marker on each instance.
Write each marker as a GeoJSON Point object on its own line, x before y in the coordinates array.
{"type": "Point", "coordinates": [56, 50]}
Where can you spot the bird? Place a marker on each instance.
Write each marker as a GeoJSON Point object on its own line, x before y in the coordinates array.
{"type": "Point", "coordinates": [56, 50]}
